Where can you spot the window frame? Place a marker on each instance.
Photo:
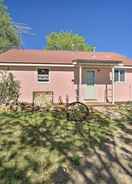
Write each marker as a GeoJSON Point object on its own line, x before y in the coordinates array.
{"type": "Point", "coordinates": [47, 68]}
{"type": "Point", "coordinates": [119, 75]}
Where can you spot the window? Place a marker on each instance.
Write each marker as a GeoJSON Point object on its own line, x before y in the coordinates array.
{"type": "Point", "coordinates": [122, 75]}
{"type": "Point", "coordinates": [43, 75]}
{"type": "Point", "coordinates": [116, 75]}
{"type": "Point", "coordinates": [119, 75]}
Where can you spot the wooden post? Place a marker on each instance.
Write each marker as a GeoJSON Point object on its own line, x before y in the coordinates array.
{"type": "Point", "coordinates": [79, 82]}
{"type": "Point", "coordinates": [113, 86]}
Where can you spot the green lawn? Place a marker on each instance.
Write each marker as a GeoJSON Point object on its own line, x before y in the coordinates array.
{"type": "Point", "coordinates": [45, 148]}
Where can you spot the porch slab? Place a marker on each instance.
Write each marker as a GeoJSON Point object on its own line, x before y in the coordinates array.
{"type": "Point", "coordinates": [100, 104]}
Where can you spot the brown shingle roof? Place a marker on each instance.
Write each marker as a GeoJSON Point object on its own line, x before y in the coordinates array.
{"type": "Point", "coordinates": [58, 57]}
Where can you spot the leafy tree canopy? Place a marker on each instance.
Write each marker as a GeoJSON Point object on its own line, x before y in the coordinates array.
{"type": "Point", "coordinates": [67, 41]}
{"type": "Point", "coordinates": [8, 34]}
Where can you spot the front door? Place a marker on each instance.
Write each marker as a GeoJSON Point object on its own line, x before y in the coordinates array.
{"type": "Point", "coordinates": [89, 91]}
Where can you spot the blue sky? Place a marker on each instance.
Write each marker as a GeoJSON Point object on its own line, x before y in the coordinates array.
{"type": "Point", "coordinates": [107, 24]}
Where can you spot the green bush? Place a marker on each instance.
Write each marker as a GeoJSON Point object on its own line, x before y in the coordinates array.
{"type": "Point", "coordinates": [76, 160]}
{"type": "Point", "coordinates": [9, 88]}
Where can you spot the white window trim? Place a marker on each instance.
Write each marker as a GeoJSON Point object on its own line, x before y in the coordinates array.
{"type": "Point", "coordinates": [43, 82]}
{"type": "Point", "coordinates": [119, 81]}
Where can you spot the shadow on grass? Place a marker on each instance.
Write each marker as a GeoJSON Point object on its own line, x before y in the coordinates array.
{"type": "Point", "coordinates": [12, 175]}
{"type": "Point", "coordinates": [61, 176]}
{"type": "Point", "coordinates": [31, 138]}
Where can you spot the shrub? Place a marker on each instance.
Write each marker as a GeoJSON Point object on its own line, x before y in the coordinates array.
{"type": "Point", "coordinates": [76, 159]}
{"type": "Point", "coordinates": [9, 88]}
{"type": "Point", "coordinates": [77, 111]}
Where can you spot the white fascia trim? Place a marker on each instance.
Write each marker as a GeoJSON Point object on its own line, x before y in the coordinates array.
{"type": "Point", "coordinates": [98, 64]}
{"type": "Point", "coordinates": [39, 65]}
{"type": "Point", "coordinates": [123, 67]}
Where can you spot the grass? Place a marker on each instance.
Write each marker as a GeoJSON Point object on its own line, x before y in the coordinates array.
{"type": "Point", "coordinates": [37, 148]}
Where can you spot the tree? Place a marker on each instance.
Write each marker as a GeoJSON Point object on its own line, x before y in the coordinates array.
{"type": "Point", "coordinates": [8, 33]}
{"type": "Point", "coordinates": [67, 41]}
{"type": "Point", "coordinates": [9, 88]}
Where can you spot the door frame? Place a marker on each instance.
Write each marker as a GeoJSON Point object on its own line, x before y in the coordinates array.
{"type": "Point", "coordinates": [92, 70]}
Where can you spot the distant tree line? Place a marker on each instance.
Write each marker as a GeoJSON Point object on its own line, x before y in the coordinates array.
{"type": "Point", "coordinates": [9, 36]}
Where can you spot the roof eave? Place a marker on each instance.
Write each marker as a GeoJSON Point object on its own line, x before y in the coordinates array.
{"type": "Point", "coordinates": [96, 61]}
{"type": "Point", "coordinates": [35, 64]}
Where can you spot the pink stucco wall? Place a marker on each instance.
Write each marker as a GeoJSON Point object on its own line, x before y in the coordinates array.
{"type": "Point", "coordinates": [63, 83]}
{"type": "Point", "coordinates": [60, 83]}
{"type": "Point", "coordinates": [122, 90]}
{"type": "Point", "coordinates": [102, 84]}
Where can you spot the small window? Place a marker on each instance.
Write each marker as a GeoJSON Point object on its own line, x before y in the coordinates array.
{"type": "Point", "coordinates": [122, 75]}
{"type": "Point", "coordinates": [43, 75]}
{"type": "Point", "coordinates": [116, 75]}
{"type": "Point", "coordinates": [119, 75]}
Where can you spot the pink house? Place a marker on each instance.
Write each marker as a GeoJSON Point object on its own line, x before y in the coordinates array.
{"type": "Point", "coordinates": [87, 77]}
